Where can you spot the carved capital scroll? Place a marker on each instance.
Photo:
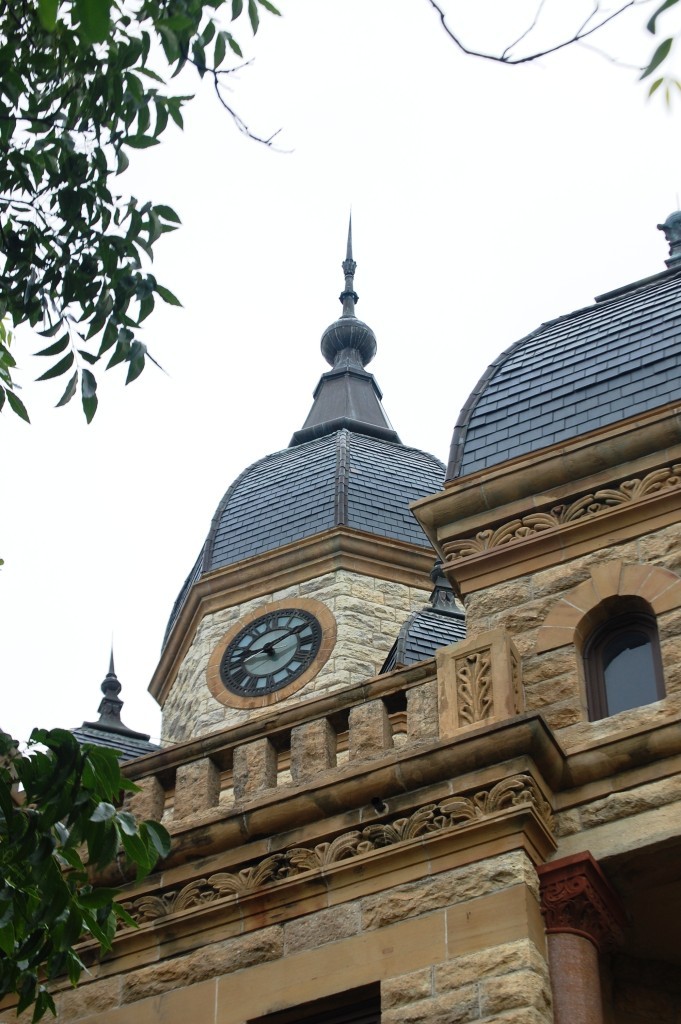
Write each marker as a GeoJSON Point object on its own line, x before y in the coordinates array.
{"type": "Point", "coordinates": [576, 897]}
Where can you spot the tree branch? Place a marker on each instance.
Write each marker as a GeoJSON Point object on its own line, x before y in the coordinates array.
{"type": "Point", "coordinates": [504, 58]}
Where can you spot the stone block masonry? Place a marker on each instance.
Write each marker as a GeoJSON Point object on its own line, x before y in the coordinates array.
{"type": "Point", "coordinates": [368, 612]}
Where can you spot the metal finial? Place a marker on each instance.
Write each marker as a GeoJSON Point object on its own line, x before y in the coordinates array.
{"type": "Point", "coordinates": [348, 251]}
{"type": "Point", "coordinates": [112, 671]}
{"type": "Point", "coordinates": [672, 232]}
{"type": "Point", "coordinates": [349, 296]}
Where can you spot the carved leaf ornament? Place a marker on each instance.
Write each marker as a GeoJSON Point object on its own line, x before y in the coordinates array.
{"type": "Point", "coordinates": [665, 479]}
{"type": "Point", "coordinates": [517, 790]}
{"type": "Point", "coordinates": [474, 686]}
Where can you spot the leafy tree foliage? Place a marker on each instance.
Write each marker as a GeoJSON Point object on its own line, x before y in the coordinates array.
{"type": "Point", "coordinates": [58, 821]}
{"type": "Point", "coordinates": [83, 82]}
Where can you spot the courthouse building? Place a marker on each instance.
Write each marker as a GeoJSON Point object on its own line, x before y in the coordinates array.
{"type": "Point", "coordinates": [380, 810]}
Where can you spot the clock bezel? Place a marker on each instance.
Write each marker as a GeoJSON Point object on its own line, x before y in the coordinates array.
{"type": "Point", "coordinates": [327, 624]}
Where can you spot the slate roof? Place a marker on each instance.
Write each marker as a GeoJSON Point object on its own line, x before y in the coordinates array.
{"type": "Point", "coordinates": [422, 635]}
{"type": "Point", "coordinates": [341, 479]}
{"type": "Point", "coordinates": [129, 746]}
{"type": "Point", "coordinates": [440, 623]}
{"type": "Point", "coordinates": [618, 358]}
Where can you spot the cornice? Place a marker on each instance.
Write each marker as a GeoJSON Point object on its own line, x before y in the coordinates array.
{"type": "Point", "coordinates": [540, 540]}
{"type": "Point", "coordinates": [635, 488]}
{"type": "Point", "coordinates": [340, 548]}
{"type": "Point", "coordinates": [550, 476]}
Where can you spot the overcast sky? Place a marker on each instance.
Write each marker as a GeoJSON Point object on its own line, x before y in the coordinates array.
{"type": "Point", "coordinates": [485, 200]}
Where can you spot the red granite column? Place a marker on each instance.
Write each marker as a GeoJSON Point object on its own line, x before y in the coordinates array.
{"type": "Point", "coordinates": [583, 918]}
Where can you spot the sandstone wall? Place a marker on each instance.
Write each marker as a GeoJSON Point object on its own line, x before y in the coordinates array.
{"type": "Point", "coordinates": [554, 680]}
{"type": "Point", "coordinates": [464, 945]}
{"type": "Point", "coordinates": [369, 613]}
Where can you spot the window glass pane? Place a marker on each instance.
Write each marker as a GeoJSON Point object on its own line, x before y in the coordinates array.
{"type": "Point", "coordinates": [628, 671]}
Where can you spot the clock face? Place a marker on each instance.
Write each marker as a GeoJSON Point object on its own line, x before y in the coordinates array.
{"type": "Point", "coordinates": [270, 652]}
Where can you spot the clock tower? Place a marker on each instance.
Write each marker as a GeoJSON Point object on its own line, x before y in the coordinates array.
{"type": "Point", "coordinates": [313, 561]}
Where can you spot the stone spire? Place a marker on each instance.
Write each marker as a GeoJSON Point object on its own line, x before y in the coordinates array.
{"type": "Point", "coordinates": [347, 397]}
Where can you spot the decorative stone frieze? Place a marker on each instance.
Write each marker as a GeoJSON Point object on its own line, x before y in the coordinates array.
{"type": "Point", "coordinates": [479, 680]}
{"type": "Point", "coordinates": [576, 897]}
{"type": "Point", "coordinates": [516, 791]}
{"type": "Point", "coordinates": [591, 504]}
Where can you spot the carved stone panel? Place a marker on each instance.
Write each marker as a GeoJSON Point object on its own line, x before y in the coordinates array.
{"type": "Point", "coordinates": [479, 680]}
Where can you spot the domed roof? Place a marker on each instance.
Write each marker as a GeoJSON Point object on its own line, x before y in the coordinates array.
{"type": "Point", "coordinates": [345, 467]}
{"type": "Point", "coordinates": [341, 479]}
{"type": "Point", "coordinates": [618, 358]}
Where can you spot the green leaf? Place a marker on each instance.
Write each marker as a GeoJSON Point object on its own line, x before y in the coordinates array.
{"type": "Point", "coordinates": [237, 7]}
{"type": "Point", "coordinates": [17, 406]}
{"type": "Point", "coordinates": [234, 46]}
{"type": "Point", "coordinates": [167, 213]}
{"type": "Point", "coordinates": [94, 18]}
{"type": "Point", "coordinates": [70, 391]}
{"type": "Point", "coordinates": [7, 939]}
{"type": "Point", "coordinates": [124, 916]}
{"type": "Point", "coordinates": [159, 837]}
{"type": "Point", "coordinates": [651, 26]}
{"type": "Point", "coordinates": [127, 822]}
{"type": "Point", "coordinates": [220, 49]}
{"type": "Point", "coordinates": [98, 898]}
{"type": "Point", "coordinates": [140, 141]}
{"type": "Point", "coordinates": [273, 10]}
{"type": "Point", "coordinates": [88, 384]}
{"type": "Point", "coordinates": [254, 15]}
{"type": "Point", "coordinates": [54, 350]}
{"type": "Point", "coordinates": [103, 811]}
{"type": "Point", "coordinates": [661, 54]}
{"type": "Point", "coordinates": [61, 367]}
{"type": "Point", "coordinates": [90, 407]}
{"type": "Point", "coordinates": [167, 295]}
{"type": "Point", "coordinates": [47, 12]}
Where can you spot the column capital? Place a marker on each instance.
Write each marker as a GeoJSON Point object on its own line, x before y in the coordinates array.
{"type": "Point", "coordinates": [576, 897]}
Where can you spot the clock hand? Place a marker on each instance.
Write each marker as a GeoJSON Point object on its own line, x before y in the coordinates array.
{"type": "Point", "coordinates": [269, 647]}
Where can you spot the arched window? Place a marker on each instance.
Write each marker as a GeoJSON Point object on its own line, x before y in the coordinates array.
{"type": "Point", "coordinates": [622, 665]}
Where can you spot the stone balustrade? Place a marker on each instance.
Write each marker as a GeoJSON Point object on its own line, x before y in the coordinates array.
{"type": "Point", "coordinates": [469, 683]}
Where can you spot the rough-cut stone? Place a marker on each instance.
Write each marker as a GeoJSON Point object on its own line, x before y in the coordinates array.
{"type": "Point", "coordinates": [197, 788]}
{"type": "Point", "coordinates": [498, 960]}
{"type": "Point", "coordinates": [370, 731]}
{"type": "Point", "coordinates": [324, 926]}
{"type": "Point", "coordinates": [519, 989]}
{"type": "Point", "coordinates": [549, 666]}
{"type": "Point", "coordinates": [254, 769]}
{"type": "Point", "coordinates": [453, 1008]}
{"type": "Point", "coordinates": [408, 988]}
{"type": "Point", "coordinates": [89, 998]}
{"type": "Point", "coordinates": [422, 713]}
{"type": "Point", "coordinates": [368, 613]}
{"type": "Point", "coordinates": [445, 889]}
{"type": "Point", "coordinates": [313, 750]}
{"type": "Point", "coordinates": [150, 801]}
{"type": "Point", "coordinates": [208, 962]}
{"type": "Point", "coordinates": [635, 801]}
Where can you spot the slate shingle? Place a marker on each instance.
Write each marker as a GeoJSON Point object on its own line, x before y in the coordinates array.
{"type": "Point", "coordinates": [341, 479]}
{"type": "Point", "coordinates": [619, 357]}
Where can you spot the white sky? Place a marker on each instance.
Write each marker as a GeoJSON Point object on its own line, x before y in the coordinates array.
{"type": "Point", "coordinates": [485, 199]}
